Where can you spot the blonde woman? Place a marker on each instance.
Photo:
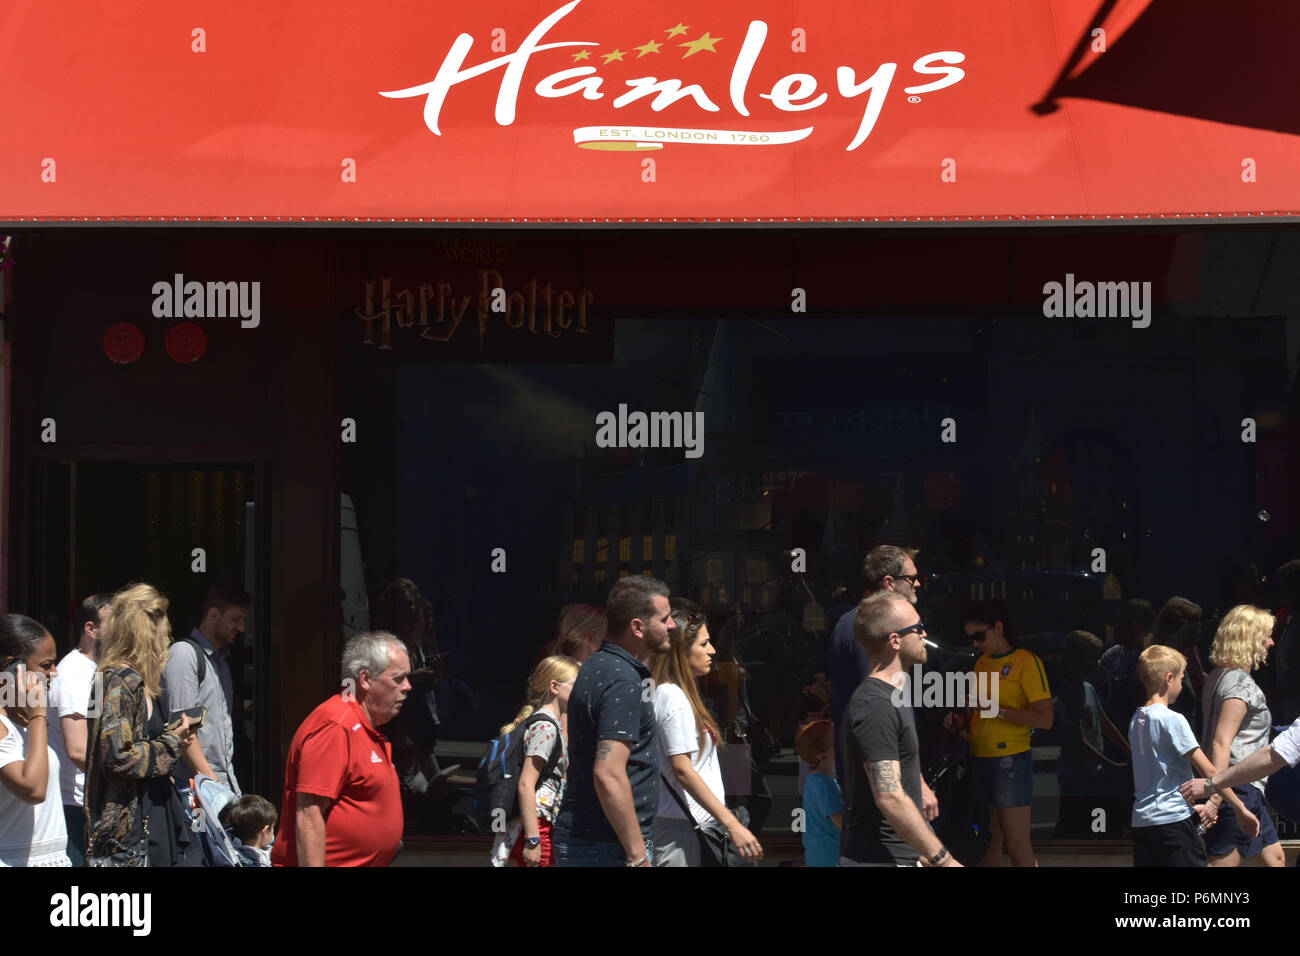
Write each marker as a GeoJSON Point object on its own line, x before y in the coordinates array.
{"type": "Point", "coordinates": [690, 775]}
{"type": "Point", "coordinates": [1236, 724]}
{"type": "Point", "coordinates": [580, 632]}
{"type": "Point", "coordinates": [527, 841]}
{"type": "Point", "coordinates": [131, 806]}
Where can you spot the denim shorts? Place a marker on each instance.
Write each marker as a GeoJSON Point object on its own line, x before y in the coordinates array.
{"type": "Point", "coordinates": [572, 852]}
{"type": "Point", "coordinates": [1005, 781]}
{"type": "Point", "coordinates": [1227, 835]}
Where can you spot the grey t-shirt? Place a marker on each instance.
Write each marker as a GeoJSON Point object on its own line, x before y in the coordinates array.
{"type": "Point", "coordinates": [1254, 730]}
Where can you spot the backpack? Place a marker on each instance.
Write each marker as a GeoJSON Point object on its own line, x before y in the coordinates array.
{"type": "Point", "coordinates": [201, 657]}
{"type": "Point", "coordinates": [496, 788]}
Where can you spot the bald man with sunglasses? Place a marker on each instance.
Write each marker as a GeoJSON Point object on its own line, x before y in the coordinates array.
{"type": "Point", "coordinates": [885, 823]}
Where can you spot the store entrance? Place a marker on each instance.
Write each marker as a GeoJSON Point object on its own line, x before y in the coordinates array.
{"type": "Point", "coordinates": [100, 525]}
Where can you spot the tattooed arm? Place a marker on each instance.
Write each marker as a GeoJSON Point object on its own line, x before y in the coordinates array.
{"type": "Point", "coordinates": [615, 794]}
{"type": "Point", "coordinates": [900, 811]}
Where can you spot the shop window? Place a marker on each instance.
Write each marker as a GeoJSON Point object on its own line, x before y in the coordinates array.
{"type": "Point", "coordinates": [578, 545]}
{"type": "Point", "coordinates": [602, 550]}
{"type": "Point", "coordinates": [647, 548]}
{"type": "Point", "coordinates": [713, 571]}
{"type": "Point", "coordinates": [625, 549]}
{"type": "Point", "coordinates": [755, 572]}
{"type": "Point", "coordinates": [670, 547]}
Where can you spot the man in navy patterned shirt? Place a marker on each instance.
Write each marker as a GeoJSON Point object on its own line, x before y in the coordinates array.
{"type": "Point", "coordinates": [613, 787]}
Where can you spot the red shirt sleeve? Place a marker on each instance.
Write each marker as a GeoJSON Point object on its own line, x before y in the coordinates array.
{"type": "Point", "coordinates": [323, 766]}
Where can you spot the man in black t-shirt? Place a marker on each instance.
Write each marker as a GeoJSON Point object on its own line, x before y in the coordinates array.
{"type": "Point", "coordinates": [885, 824]}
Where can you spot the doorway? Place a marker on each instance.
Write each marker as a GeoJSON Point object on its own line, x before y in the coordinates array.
{"type": "Point", "coordinates": [100, 525]}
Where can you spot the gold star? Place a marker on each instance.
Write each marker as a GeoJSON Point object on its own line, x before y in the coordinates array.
{"type": "Point", "coordinates": [582, 55]}
{"type": "Point", "coordinates": [677, 30]}
{"type": "Point", "coordinates": [615, 55]}
{"type": "Point", "coordinates": [648, 47]}
{"type": "Point", "coordinates": [701, 43]}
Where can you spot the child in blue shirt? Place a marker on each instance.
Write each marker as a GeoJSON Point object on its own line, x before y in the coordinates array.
{"type": "Point", "coordinates": [1164, 753]}
{"type": "Point", "coordinates": [823, 806]}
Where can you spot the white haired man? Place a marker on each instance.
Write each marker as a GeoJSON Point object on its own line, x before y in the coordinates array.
{"type": "Point", "coordinates": [342, 800]}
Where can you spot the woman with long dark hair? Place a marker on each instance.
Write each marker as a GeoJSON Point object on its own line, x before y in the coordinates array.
{"type": "Point", "coordinates": [690, 774]}
{"type": "Point", "coordinates": [1002, 761]}
{"type": "Point", "coordinates": [32, 829]}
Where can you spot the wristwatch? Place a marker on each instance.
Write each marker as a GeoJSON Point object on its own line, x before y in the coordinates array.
{"type": "Point", "coordinates": [1210, 785]}
{"type": "Point", "coordinates": [532, 843]}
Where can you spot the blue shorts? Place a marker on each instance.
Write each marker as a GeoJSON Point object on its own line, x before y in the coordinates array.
{"type": "Point", "coordinates": [1227, 835]}
{"type": "Point", "coordinates": [1005, 781]}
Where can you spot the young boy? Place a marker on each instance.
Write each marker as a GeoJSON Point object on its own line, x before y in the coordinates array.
{"type": "Point", "coordinates": [823, 806]}
{"type": "Point", "coordinates": [251, 819]}
{"type": "Point", "coordinates": [1164, 753]}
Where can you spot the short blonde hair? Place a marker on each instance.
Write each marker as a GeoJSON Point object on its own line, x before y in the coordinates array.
{"type": "Point", "coordinates": [874, 621]}
{"type": "Point", "coordinates": [1157, 661]}
{"type": "Point", "coordinates": [1242, 638]}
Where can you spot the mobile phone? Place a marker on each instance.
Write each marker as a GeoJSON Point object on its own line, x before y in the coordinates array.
{"type": "Point", "coordinates": [195, 714]}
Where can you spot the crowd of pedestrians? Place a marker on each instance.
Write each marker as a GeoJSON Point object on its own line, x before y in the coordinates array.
{"type": "Point", "coordinates": [121, 752]}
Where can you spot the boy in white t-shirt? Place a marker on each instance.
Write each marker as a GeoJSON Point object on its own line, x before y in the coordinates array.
{"type": "Point", "coordinates": [1164, 751]}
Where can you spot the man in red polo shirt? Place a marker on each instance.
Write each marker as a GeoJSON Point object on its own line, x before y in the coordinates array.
{"type": "Point", "coordinates": [342, 800]}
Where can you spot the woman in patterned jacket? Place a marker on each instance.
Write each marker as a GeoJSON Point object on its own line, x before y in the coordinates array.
{"type": "Point", "coordinates": [131, 751]}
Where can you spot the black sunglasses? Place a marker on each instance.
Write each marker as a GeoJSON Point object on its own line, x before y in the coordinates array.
{"type": "Point", "coordinates": [918, 627]}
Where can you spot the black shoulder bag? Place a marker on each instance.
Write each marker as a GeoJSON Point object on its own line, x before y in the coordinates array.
{"type": "Point", "coordinates": [716, 846]}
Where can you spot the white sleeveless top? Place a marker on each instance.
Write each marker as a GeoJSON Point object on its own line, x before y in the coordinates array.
{"type": "Point", "coordinates": [30, 835]}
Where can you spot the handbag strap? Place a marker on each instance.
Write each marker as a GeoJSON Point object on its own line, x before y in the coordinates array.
{"type": "Point", "coordinates": [680, 802]}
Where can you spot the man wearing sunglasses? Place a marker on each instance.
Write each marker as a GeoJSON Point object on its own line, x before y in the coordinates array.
{"type": "Point", "coordinates": [885, 822]}
{"type": "Point", "coordinates": [886, 569]}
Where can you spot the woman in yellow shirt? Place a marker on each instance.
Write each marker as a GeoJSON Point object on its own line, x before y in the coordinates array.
{"type": "Point", "coordinates": [1013, 679]}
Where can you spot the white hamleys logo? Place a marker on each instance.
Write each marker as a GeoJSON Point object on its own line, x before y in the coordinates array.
{"type": "Point", "coordinates": [793, 93]}
{"type": "Point", "coordinates": [375, 758]}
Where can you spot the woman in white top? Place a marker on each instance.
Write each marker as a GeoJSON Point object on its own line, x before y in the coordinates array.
{"type": "Point", "coordinates": [32, 829]}
{"type": "Point", "coordinates": [688, 748]}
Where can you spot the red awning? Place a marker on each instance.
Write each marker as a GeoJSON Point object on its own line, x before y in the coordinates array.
{"type": "Point", "coordinates": [600, 111]}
